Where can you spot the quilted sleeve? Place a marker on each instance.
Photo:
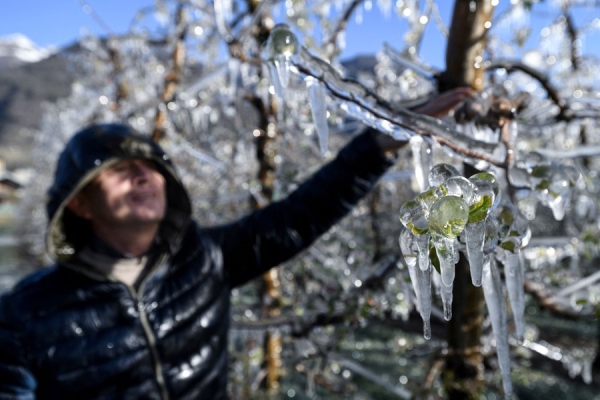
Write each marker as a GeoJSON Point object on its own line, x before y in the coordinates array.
{"type": "Point", "coordinates": [277, 232]}
{"type": "Point", "coordinates": [16, 381]}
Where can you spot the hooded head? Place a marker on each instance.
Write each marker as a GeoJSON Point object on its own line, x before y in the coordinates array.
{"type": "Point", "coordinates": [87, 153]}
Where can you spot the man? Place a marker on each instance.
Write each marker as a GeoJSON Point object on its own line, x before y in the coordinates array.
{"type": "Point", "coordinates": [137, 305]}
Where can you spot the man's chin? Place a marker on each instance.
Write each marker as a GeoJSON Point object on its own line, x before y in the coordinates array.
{"type": "Point", "coordinates": [149, 220]}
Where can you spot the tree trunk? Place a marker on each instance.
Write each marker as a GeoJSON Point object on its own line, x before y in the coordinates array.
{"type": "Point", "coordinates": [173, 78]}
{"type": "Point", "coordinates": [471, 20]}
{"type": "Point", "coordinates": [265, 155]}
{"type": "Point", "coordinates": [463, 370]}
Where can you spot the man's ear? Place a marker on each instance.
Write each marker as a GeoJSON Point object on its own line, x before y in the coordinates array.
{"type": "Point", "coordinates": [79, 206]}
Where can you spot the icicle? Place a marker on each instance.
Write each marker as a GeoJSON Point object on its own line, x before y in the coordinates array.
{"type": "Point", "coordinates": [424, 283]}
{"type": "Point", "coordinates": [494, 300]}
{"type": "Point", "coordinates": [274, 74]}
{"type": "Point", "coordinates": [205, 118]}
{"type": "Point", "coordinates": [483, 133]}
{"type": "Point", "coordinates": [423, 246]}
{"type": "Point", "coordinates": [264, 90]}
{"type": "Point", "coordinates": [422, 159]}
{"type": "Point", "coordinates": [414, 217]}
{"type": "Point", "coordinates": [514, 233]}
{"type": "Point", "coordinates": [182, 145]}
{"type": "Point", "coordinates": [282, 45]}
{"type": "Point", "coordinates": [474, 238]}
{"type": "Point", "coordinates": [222, 14]}
{"type": "Point", "coordinates": [553, 187]}
{"type": "Point", "coordinates": [486, 197]}
{"type": "Point", "coordinates": [400, 117]}
{"type": "Point", "coordinates": [282, 66]}
{"type": "Point", "coordinates": [421, 280]}
{"type": "Point", "coordinates": [234, 75]}
{"type": "Point", "coordinates": [447, 219]}
{"type": "Point", "coordinates": [446, 295]}
{"type": "Point", "coordinates": [445, 251]}
{"type": "Point", "coordinates": [558, 208]}
{"type": "Point", "coordinates": [586, 373]}
{"type": "Point", "coordinates": [514, 277]}
{"type": "Point", "coordinates": [316, 95]}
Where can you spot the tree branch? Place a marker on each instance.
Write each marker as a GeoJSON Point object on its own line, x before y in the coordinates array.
{"type": "Point", "coordinates": [512, 66]}
{"type": "Point", "coordinates": [342, 23]}
{"type": "Point", "coordinates": [547, 301]}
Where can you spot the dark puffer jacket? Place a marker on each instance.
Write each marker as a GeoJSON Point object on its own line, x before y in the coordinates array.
{"type": "Point", "coordinates": [68, 332]}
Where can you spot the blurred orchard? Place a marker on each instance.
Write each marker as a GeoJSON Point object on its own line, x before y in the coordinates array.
{"type": "Point", "coordinates": [471, 270]}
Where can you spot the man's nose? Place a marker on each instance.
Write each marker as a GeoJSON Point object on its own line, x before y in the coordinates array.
{"type": "Point", "coordinates": [140, 169]}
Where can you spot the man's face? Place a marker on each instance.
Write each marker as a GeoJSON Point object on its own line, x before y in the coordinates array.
{"type": "Point", "coordinates": [129, 193]}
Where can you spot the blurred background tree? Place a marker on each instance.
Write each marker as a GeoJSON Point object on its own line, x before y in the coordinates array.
{"type": "Point", "coordinates": [250, 97]}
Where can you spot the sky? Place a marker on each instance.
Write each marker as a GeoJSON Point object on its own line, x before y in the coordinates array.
{"type": "Point", "coordinates": [61, 22]}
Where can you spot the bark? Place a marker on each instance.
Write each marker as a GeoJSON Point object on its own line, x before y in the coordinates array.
{"type": "Point", "coordinates": [172, 78]}
{"type": "Point", "coordinates": [265, 154]}
{"type": "Point", "coordinates": [462, 373]}
{"type": "Point", "coordinates": [471, 20]}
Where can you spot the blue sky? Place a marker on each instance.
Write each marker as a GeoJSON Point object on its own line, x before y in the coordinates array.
{"type": "Point", "coordinates": [60, 22]}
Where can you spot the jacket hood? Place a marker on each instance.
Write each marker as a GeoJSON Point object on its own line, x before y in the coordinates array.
{"type": "Point", "coordinates": [87, 153]}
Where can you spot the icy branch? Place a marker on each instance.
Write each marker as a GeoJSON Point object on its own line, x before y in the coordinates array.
{"type": "Point", "coordinates": [578, 285]}
{"type": "Point", "coordinates": [398, 58]}
{"type": "Point", "coordinates": [576, 152]}
{"type": "Point", "coordinates": [378, 113]}
{"type": "Point", "coordinates": [548, 302]}
{"type": "Point", "coordinates": [370, 375]}
{"type": "Point", "coordinates": [512, 66]}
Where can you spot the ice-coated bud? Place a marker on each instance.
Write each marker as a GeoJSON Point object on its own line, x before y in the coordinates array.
{"type": "Point", "coordinates": [459, 186]}
{"type": "Point", "coordinates": [490, 240]}
{"type": "Point", "coordinates": [282, 42]}
{"type": "Point", "coordinates": [440, 173]}
{"type": "Point", "coordinates": [409, 247]}
{"type": "Point", "coordinates": [506, 215]}
{"type": "Point", "coordinates": [414, 218]}
{"type": "Point", "coordinates": [513, 227]}
{"type": "Point", "coordinates": [428, 197]}
{"type": "Point", "coordinates": [518, 176]}
{"type": "Point", "coordinates": [486, 196]}
{"type": "Point", "coordinates": [553, 186]}
{"type": "Point", "coordinates": [448, 216]}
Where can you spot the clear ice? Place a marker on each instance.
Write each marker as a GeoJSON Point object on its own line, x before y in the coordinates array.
{"type": "Point", "coordinates": [447, 219]}
{"type": "Point", "coordinates": [317, 99]}
{"type": "Point", "coordinates": [421, 280]}
{"type": "Point", "coordinates": [494, 300]}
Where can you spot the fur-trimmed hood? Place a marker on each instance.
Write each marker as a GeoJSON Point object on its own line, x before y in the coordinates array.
{"type": "Point", "coordinates": [89, 151]}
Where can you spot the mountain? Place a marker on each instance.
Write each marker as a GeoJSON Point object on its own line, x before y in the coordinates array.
{"type": "Point", "coordinates": [29, 77]}
{"type": "Point", "coordinates": [17, 50]}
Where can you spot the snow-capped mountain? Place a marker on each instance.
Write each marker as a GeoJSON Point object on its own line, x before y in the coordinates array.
{"type": "Point", "coordinates": [29, 77]}
{"type": "Point", "coordinates": [17, 50]}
